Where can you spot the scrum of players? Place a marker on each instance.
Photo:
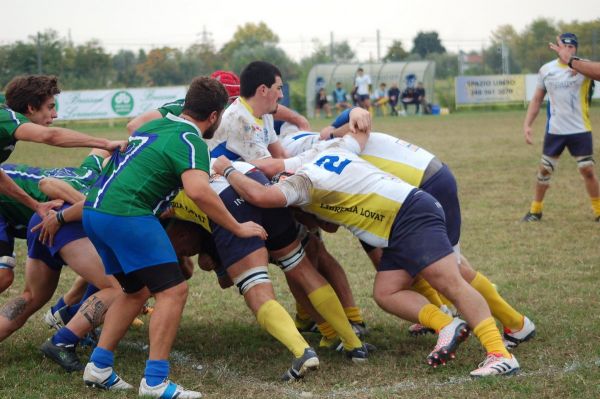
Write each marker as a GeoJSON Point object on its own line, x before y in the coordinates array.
{"type": "Point", "coordinates": [208, 175]}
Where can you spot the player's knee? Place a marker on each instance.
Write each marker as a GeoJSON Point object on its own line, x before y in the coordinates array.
{"type": "Point", "coordinates": [179, 292]}
{"type": "Point", "coordinates": [382, 298]}
{"type": "Point", "coordinates": [251, 278]}
{"type": "Point", "coordinates": [292, 259]}
{"type": "Point", "coordinates": [547, 167]}
{"type": "Point", "coordinates": [586, 166]}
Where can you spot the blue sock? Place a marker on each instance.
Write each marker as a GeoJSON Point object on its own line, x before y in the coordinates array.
{"type": "Point", "coordinates": [59, 304]}
{"type": "Point", "coordinates": [156, 372]}
{"type": "Point", "coordinates": [102, 358]}
{"type": "Point", "coordinates": [72, 310]}
{"type": "Point", "coordinates": [65, 337]}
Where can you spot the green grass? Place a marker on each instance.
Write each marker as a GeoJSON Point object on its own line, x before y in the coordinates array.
{"type": "Point", "coordinates": [549, 270]}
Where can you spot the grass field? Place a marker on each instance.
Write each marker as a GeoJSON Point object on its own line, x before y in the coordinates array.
{"type": "Point", "coordinates": [549, 271]}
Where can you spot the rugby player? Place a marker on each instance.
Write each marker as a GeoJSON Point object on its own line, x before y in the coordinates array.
{"type": "Point", "coordinates": [385, 212]}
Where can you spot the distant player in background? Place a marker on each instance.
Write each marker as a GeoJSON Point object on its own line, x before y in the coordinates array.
{"type": "Point", "coordinates": [568, 126]}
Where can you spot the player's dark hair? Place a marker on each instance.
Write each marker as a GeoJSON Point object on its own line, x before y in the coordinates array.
{"type": "Point", "coordinates": [30, 90]}
{"type": "Point", "coordinates": [255, 74]}
{"type": "Point", "coordinates": [204, 96]}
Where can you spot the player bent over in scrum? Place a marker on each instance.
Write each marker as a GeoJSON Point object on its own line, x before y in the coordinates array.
{"type": "Point", "coordinates": [249, 257]}
{"type": "Point", "coordinates": [386, 212]}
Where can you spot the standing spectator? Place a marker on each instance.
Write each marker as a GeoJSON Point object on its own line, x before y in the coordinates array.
{"type": "Point", "coordinates": [394, 95]}
{"type": "Point", "coordinates": [381, 99]}
{"type": "Point", "coordinates": [340, 97]}
{"type": "Point", "coordinates": [362, 85]}
{"type": "Point", "coordinates": [568, 126]}
{"type": "Point", "coordinates": [321, 103]}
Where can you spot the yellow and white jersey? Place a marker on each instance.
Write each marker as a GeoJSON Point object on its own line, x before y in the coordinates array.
{"type": "Point", "coordinates": [568, 95]}
{"type": "Point", "coordinates": [347, 190]}
{"type": "Point", "coordinates": [243, 134]}
{"type": "Point", "coordinates": [397, 157]}
{"type": "Point", "coordinates": [186, 209]}
{"type": "Point", "coordinates": [390, 154]}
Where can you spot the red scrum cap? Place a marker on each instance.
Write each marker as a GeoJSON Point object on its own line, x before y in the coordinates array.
{"type": "Point", "coordinates": [230, 80]}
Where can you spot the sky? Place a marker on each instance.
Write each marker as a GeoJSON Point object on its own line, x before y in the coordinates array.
{"type": "Point", "coordinates": [133, 24]}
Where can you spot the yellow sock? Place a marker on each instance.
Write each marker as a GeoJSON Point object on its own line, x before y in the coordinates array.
{"type": "Point", "coordinates": [301, 313]}
{"type": "Point", "coordinates": [501, 310]}
{"type": "Point", "coordinates": [277, 321]}
{"type": "Point", "coordinates": [431, 316]}
{"type": "Point", "coordinates": [328, 305]}
{"type": "Point", "coordinates": [596, 205]}
{"type": "Point", "coordinates": [326, 330]}
{"type": "Point", "coordinates": [353, 314]}
{"type": "Point", "coordinates": [421, 286]}
{"type": "Point", "coordinates": [490, 338]}
{"type": "Point", "coordinates": [536, 207]}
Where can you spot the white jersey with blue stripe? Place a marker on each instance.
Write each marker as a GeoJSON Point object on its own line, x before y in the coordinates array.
{"type": "Point", "coordinates": [390, 154]}
{"type": "Point", "coordinates": [568, 98]}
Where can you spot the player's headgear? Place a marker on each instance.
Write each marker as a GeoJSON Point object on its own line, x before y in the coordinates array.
{"type": "Point", "coordinates": [569, 38]}
{"type": "Point", "coordinates": [231, 82]}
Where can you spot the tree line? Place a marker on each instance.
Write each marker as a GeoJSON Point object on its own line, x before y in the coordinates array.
{"type": "Point", "coordinates": [89, 66]}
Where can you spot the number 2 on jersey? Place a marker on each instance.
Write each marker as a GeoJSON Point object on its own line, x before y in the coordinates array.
{"type": "Point", "coordinates": [332, 163]}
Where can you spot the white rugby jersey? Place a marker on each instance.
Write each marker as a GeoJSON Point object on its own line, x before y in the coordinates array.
{"type": "Point", "coordinates": [390, 154]}
{"type": "Point", "coordinates": [245, 135]}
{"type": "Point", "coordinates": [186, 209]}
{"type": "Point", "coordinates": [568, 95]}
{"type": "Point", "coordinates": [349, 191]}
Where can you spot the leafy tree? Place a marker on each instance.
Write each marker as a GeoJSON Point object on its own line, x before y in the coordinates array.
{"type": "Point", "coordinates": [492, 55]}
{"type": "Point", "coordinates": [162, 67]}
{"type": "Point", "coordinates": [532, 45]}
{"type": "Point", "coordinates": [244, 55]}
{"type": "Point", "coordinates": [124, 66]}
{"type": "Point", "coordinates": [249, 35]}
{"type": "Point", "coordinates": [426, 43]}
{"type": "Point", "coordinates": [395, 52]}
{"type": "Point", "coordinates": [86, 66]}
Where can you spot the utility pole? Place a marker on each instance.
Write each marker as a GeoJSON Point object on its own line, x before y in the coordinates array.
{"type": "Point", "coordinates": [331, 53]}
{"type": "Point", "coordinates": [505, 60]}
{"type": "Point", "coordinates": [39, 53]}
{"type": "Point", "coordinates": [378, 47]}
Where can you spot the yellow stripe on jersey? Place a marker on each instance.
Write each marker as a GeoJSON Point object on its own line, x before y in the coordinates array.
{"type": "Point", "coordinates": [409, 174]}
{"type": "Point", "coordinates": [371, 213]}
{"type": "Point", "coordinates": [186, 209]}
{"type": "Point", "coordinates": [249, 108]}
{"type": "Point", "coordinates": [585, 104]}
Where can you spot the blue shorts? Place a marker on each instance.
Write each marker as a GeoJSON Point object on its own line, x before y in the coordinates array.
{"type": "Point", "coordinates": [578, 144]}
{"type": "Point", "coordinates": [49, 255]}
{"type": "Point", "coordinates": [418, 237]}
{"type": "Point", "coordinates": [7, 237]}
{"type": "Point", "coordinates": [278, 222]}
{"type": "Point", "coordinates": [128, 243]}
{"type": "Point", "coordinates": [442, 186]}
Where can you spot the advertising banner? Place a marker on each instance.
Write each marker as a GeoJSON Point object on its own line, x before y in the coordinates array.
{"type": "Point", "coordinates": [117, 103]}
{"type": "Point", "coordinates": [489, 89]}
